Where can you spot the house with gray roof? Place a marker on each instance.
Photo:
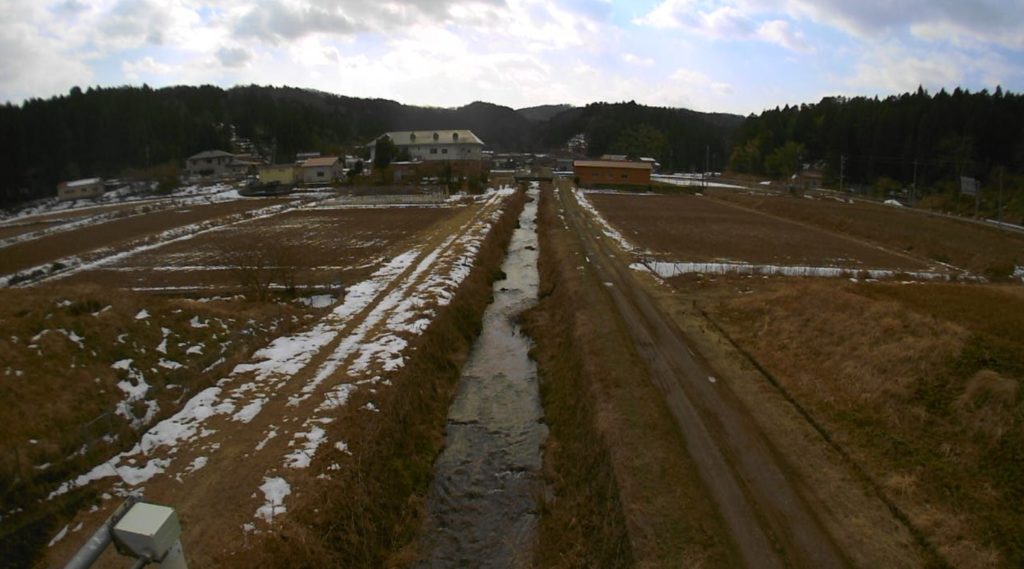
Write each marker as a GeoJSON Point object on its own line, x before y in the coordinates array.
{"type": "Point", "coordinates": [210, 164]}
{"type": "Point", "coordinates": [436, 145]}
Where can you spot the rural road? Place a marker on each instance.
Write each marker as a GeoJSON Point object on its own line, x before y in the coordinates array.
{"type": "Point", "coordinates": [770, 523]}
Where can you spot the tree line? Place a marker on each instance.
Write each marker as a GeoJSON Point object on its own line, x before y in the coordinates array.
{"type": "Point", "coordinates": [896, 141]}
{"type": "Point", "coordinates": [144, 132]}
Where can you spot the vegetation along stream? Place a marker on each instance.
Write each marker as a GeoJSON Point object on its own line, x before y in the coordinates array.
{"type": "Point", "coordinates": [482, 508]}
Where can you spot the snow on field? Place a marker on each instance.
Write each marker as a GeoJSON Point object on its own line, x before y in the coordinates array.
{"type": "Point", "coordinates": [674, 269]}
{"type": "Point", "coordinates": [275, 490]}
{"type": "Point", "coordinates": [398, 301]}
{"type": "Point", "coordinates": [108, 255]}
{"type": "Point", "coordinates": [182, 197]}
{"type": "Point", "coordinates": [688, 180]}
{"type": "Point", "coordinates": [379, 342]}
{"type": "Point", "coordinates": [606, 228]}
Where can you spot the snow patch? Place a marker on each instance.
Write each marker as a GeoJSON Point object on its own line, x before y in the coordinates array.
{"type": "Point", "coordinates": [275, 490]}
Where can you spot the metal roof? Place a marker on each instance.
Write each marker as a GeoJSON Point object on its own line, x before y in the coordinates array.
{"type": "Point", "coordinates": [611, 164]}
{"type": "Point", "coordinates": [83, 182]}
{"type": "Point", "coordinates": [210, 154]}
{"type": "Point", "coordinates": [320, 162]}
{"type": "Point", "coordinates": [411, 137]}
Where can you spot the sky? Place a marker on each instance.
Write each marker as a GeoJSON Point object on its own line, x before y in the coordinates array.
{"type": "Point", "coordinates": [738, 56]}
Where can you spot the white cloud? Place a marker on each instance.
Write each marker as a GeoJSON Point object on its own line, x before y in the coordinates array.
{"type": "Point", "coordinates": [779, 32]}
{"type": "Point", "coordinates": [891, 68]}
{"type": "Point", "coordinates": [725, 21]}
{"type": "Point", "coordinates": [146, 69]}
{"type": "Point", "coordinates": [233, 56]}
{"type": "Point", "coordinates": [33, 63]}
{"type": "Point", "coordinates": [634, 59]}
{"type": "Point", "coordinates": [696, 81]}
{"type": "Point", "coordinates": [993, 22]}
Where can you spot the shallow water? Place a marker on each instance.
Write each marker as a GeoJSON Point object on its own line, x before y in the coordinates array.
{"type": "Point", "coordinates": [482, 509]}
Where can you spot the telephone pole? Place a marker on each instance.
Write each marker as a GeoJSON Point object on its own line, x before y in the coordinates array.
{"type": "Point", "coordinates": [999, 208]}
{"type": "Point", "coordinates": [842, 171]}
{"type": "Point", "coordinates": [913, 187]}
{"type": "Point", "coordinates": [707, 161]}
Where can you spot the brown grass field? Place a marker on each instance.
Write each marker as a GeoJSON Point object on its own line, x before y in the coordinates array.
{"type": "Point", "coordinates": [314, 248]}
{"type": "Point", "coordinates": [683, 227]}
{"type": "Point", "coordinates": [61, 340]}
{"type": "Point", "coordinates": [60, 389]}
{"type": "Point", "coordinates": [919, 383]}
{"type": "Point", "coordinates": [29, 224]}
{"type": "Point", "coordinates": [49, 248]}
{"type": "Point", "coordinates": [984, 250]}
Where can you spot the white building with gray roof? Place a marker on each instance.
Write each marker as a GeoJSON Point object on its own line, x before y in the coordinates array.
{"type": "Point", "coordinates": [436, 145]}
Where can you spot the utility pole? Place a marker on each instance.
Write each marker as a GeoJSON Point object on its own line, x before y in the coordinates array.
{"type": "Point", "coordinates": [707, 161]}
{"type": "Point", "coordinates": [913, 187]}
{"type": "Point", "coordinates": [842, 171]}
{"type": "Point", "coordinates": [977, 200]}
{"type": "Point", "coordinates": [999, 209]}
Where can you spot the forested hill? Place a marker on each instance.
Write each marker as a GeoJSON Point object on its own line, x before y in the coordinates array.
{"type": "Point", "coordinates": [111, 132]}
{"type": "Point", "coordinates": [882, 141]}
{"type": "Point", "coordinates": [679, 139]}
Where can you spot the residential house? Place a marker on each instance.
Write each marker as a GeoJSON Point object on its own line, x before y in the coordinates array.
{"type": "Point", "coordinates": [320, 170]}
{"type": "Point", "coordinates": [80, 189]}
{"type": "Point", "coordinates": [210, 164]}
{"type": "Point", "coordinates": [436, 145]}
{"type": "Point", "coordinates": [591, 173]}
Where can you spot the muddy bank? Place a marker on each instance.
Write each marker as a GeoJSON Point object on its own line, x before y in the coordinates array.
{"type": "Point", "coordinates": [482, 502]}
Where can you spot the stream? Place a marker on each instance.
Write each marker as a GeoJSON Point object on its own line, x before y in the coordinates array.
{"type": "Point", "coordinates": [482, 503]}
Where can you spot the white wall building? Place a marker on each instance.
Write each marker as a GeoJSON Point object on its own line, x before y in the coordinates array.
{"type": "Point", "coordinates": [321, 170]}
{"type": "Point", "coordinates": [431, 145]}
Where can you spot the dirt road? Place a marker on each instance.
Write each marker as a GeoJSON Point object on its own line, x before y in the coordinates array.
{"type": "Point", "coordinates": [770, 521]}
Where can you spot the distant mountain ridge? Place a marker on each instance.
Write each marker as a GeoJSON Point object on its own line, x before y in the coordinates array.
{"type": "Point", "coordinates": [109, 131]}
{"type": "Point", "coordinates": [542, 113]}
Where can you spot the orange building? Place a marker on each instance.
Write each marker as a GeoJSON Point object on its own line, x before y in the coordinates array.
{"type": "Point", "coordinates": [590, 173]}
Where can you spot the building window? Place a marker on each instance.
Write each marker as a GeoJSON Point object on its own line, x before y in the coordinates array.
{"type": "Point", "coordinates": [624, 176]}
{"type": "Point", "coordinates": [455, 136]}
{"type": "Point", "coordinates": [436, 136]}
{"type": "Point", "coordinates": [433, 151]}
{"type": "Point", "coordinates": [412, 137]}
{"type": "Point", "coordinates": [319, 174]}
{"type": "Point", "coordinates": [444, 151]}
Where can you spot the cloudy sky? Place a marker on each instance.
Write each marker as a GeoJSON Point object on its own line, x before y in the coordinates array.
{"type": "Point", "coordinates": [711, 55]}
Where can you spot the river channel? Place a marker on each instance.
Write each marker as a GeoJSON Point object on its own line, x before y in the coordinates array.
{"type": "Point", "coordinates": [482, 507]}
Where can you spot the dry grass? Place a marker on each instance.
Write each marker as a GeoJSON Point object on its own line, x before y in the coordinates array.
{"type": "Point", "coordinates": [687, 228]}
{"type": "Point", "coordinates": [308, 249]}
{"type": "Point", "coordinates": [983, 250]}
{"type": "Point", "coordinates": [59, 418]}
{"type": "Point", "coordinates": [584, 525]}
{"type": "Point", "coordinates": [670, 520]}
{"type": "Point", "coordinates": [367, 512]}
{"type": "Point", "coordinates": [52, 247]}
{"type": "Point", "coordinates": [921, 384]}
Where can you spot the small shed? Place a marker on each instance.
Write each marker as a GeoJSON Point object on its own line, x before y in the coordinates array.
{"type": "Point", "coordinates": [280, 173]}
{"type": "Point", "coordinates": [320, 170]}
{"type": "Point", "coordinates": [591, 173]}
{"type": "Point", "coordinates": [80, 189]}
